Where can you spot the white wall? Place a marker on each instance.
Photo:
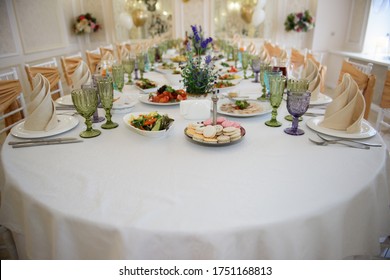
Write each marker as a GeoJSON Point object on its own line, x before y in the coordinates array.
{"type": "Point", "coordinates": [33, 31]}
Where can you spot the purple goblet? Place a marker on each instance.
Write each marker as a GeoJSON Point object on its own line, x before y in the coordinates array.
{"type": "Point", "coordinates": [297, 105]}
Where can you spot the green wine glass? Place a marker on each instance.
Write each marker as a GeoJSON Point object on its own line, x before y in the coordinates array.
{"type": "Point", "coordinates": [152, 57]}
{"type": "Point", "coordinates": [277, 85]}
{"type": "Point", "coordinates": [85, 101]}
{"type": "Point", "coordinates": [245, 58]}
{"type": "Point", "coordinates": [128, 67]}
{"type": "Point", "coordinates": [141, 64]}
{"type": "Point", "coordinates": [106, 93]}
{"type": "Point", "coordinates": [118, 76]}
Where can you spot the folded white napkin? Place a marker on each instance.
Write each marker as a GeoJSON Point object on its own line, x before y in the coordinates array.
{"type": "Point", "coordinates": [41, 110]}
{"type": "Point", "coordinates": [312, 74]}
{"type": "Point", "coordinates": [347, 108]}
{"type": "Point", "coordinates": [81, 76]}
{"type": "Point", "coordinates": [264, 55]}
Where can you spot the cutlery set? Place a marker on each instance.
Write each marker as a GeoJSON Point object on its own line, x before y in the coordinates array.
{"type": "Point", "coordinates": [325, 140]}
{"type": "Point", "coordinates": [41, 142]}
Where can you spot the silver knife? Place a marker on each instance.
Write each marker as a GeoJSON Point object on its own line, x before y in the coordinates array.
{"type": "Point", "coordinates": [23, 145]}
{"type": "Point", "coordinates": [42, 140]}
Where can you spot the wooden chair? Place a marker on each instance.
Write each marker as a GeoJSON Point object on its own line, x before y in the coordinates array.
{"type": "Point", "coordinates": [93, 59]}
{"type": "Point", "coordinates": [361, 73]}
{"type": "Point", "coordinates": [385, 104]}
{"type": "Point", "coordinates": [12, 102]}
{"type": "Point", "coordinates": [69, 65]}
{"type": "Point", "coordinates": [50, 71]}
{"type": "Point", "coordinates": [123, 50]}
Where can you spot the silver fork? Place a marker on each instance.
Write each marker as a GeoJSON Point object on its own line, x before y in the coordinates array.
{"type": "Point", "coordinates": [335, 141]}
{"type": "Point", "coordinates": [352, 144]}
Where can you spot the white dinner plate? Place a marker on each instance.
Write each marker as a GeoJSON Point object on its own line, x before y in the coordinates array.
{"type": "Point", "coordinates": [366, 129]}
{"type": "Point", "coordinates": [321, 100]}
{"type": "Point", "coordinates": [145, 99]}
{"type": "Point", "coordinates": [124, 103]}
{"type": "Point", "coordinates": [65, 123]}
{"type": "Point", "coordinates": [226, 89]}
{"type": "Point", "coordinates": [65, 100]}
{"type": "Point", "coordinates": [148, 90]}
{"type": "Point", "coordinates": [266, 109]}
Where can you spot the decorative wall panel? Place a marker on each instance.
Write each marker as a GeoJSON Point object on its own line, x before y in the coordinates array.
{"type": "Point", "coordinates": [7, 42]}
{"type": "Point", "coordinates": [96, 9]}
{"type": "Point", "coordinates": [40, 24]}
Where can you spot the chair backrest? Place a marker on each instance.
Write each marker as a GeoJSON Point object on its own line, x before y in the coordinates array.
{"type": "Point", "coordinates": [122, 50]}
{"type": "Point", "coordinates": [385, 100]}
{"type": "Point", "coordinates": [93, 59]}
{"type": "Point", "coordinates": [12, 102]}
{"type": "Point", "coordinates": [365, 68]}
{"type": "Point", "coordinates": [50, 71]}
{"type": "Point", "coordinates": [366, 82]}
{"type": "Point", "coordinates": [105, 49]}
{"type": "Point", "coordinates": [69, 65]}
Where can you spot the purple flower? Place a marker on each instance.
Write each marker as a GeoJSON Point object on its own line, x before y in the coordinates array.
{"type": "Point", "coordinates": [188, 46]}
{"type": "Point", "coordinates": [208, 59]}
{"type": "Point", "coordinates": [206, 42]}
{"type": "Point", "coordinates": [196, 33]}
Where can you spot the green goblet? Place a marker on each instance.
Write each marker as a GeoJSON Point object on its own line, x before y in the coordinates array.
{"type": "Point", "coordinates": [128, 66]}
{"type": "Point", "coordinates": [152, 57]}
{"type": "Point", "coordinates": [106, 93]}
{"type": "Point", "coordinates": [118, 76]}
{"type": "Point", "coordinates": [245, 58]}
{"type": "Point", "coordinates": [85, 101]}
{"type": "Point", "coordinates": [277, 84]}
{"type": "Point", "coordinates": [235, 56]}
{"type": "Point", "coordinates": [296, 85]}
{"type": "Point", "coordinates": [141, 63]}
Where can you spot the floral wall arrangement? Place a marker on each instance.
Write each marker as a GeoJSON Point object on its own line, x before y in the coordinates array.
{"type": "Point", "coordinates": [299, 22]}
{"type": "Point", "coordinates": [86, 23]}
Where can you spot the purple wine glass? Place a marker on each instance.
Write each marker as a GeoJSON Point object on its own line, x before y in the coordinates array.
{"type": "Point", "coordinates": [297, 105]}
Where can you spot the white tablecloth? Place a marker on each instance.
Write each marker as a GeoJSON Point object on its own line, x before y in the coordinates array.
{"type": "Point", "coordinates": [123, 196]}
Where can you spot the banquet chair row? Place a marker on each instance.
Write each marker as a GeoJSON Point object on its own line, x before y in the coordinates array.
{"type": "Point", "coordinates": [384, 109]}
{"type": "Point", "coordinates": [50, 71]}
{"type": "Point", "coordinates": [12, 101]}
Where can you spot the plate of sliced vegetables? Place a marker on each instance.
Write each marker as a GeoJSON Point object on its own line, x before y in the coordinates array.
{"type": "Point", "coordinates": [165, 96]}
{"type": "Point", "coordinates": [149, 124]}
{"type": "Point", "coordinates": [146, 86]}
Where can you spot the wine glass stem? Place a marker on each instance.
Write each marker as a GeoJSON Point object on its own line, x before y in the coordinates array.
{"type": "Point", "coordinates": [108, 115]}
{"type": "Point", "coordinates": [274, 114]}
{"type": "Point", "coordinates": [256, 77]}
{"type": "Point", "coordinates": [295, 122]}
{"type": "Point", "coordinates": [129, 78]}
{"type": "Point", "coordinates": [88, 123]}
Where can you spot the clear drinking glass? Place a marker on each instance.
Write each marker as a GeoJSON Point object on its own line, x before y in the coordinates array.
{"type": "Point", "coordinates": [106, 92]}
{"type": "Point", "coordinates": [118, 76]}
{"type": "Point", "coordinates": [152, 57]}
{"type": "Point", "coordinates": [297, 105]}
{"type": "Point", "coordinates": [85, 101]}
{"type": "Point", "coordinates": [128, 66]}
{"type": "Point", "coordinates": [277, 85]}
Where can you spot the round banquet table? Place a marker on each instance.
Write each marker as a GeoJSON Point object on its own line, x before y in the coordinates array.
{"type": "Point", "coordinates": [124, 196]}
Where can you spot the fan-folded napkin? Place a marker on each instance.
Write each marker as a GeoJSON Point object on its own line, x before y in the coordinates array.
{"type": "Point", "coordinates": [41, 110]}
{"type": "Point", "coordinates": [264, 55]}
{"type": "Point", "coordinates": [347, 109]}
{"type": "Point", "coordinates": [312, 74]}
{"type": "Point", "coordinates": [81, 76]}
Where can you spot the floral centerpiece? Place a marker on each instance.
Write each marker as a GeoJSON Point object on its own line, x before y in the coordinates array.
{"type": "Point", "coordinates": [85, 24]}
{"type": "Point", "coordinates": [199, 74]}
{"type": "Point", "coordinates": [299, 22]}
